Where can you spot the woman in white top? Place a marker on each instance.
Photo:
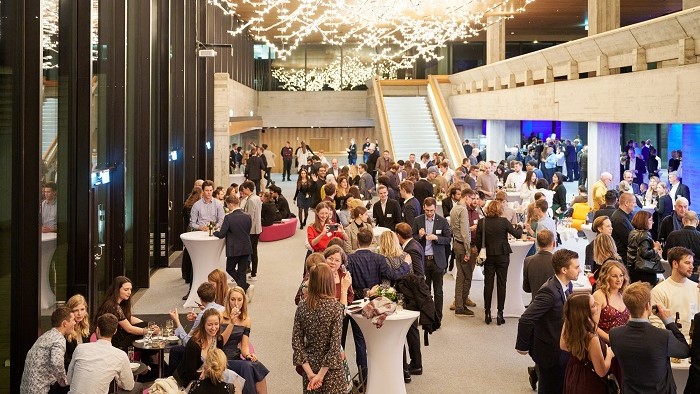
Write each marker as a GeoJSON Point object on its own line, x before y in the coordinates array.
{"type": "Point", "coordinates": [527, 190]}
{"type": "Point", "coordinates": [303, 153]}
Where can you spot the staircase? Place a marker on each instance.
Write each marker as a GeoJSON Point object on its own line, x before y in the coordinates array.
{"type": "Point", "coordinates": [412, 127]}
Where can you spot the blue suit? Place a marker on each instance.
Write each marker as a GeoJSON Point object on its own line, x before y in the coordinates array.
{"type": "Point", "coordinates": [436, 263]}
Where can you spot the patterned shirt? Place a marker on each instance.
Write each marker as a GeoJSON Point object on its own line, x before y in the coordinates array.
{"type": "Point", "coordinates": [48, 214]}
{"type": "Point", "coordinates": [44, 364]}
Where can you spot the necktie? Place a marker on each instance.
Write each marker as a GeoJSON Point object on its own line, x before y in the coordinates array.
{"type": "Point", "coordinates": [569, 290]}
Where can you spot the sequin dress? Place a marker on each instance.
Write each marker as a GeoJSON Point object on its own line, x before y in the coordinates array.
{"type": "Point", "coordinates": [610, 318]}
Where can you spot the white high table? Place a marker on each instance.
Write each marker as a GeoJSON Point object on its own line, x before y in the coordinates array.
{"type": "Point", "coordinates": [588, 230]}
{"type": "Point", "coordinates": [48, 247]}
{"type": "Point", "coordinates": [514, 306]}
{"type": "Point", "coordinates": [680, 374]}
{"type": "Point", "coordinates": [385, 351]}
{"type": "Point", "coordinates": [205, 252]}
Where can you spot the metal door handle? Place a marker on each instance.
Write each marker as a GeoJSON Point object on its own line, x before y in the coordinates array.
{"type": "Point", "coordinates": [170, 205]}
{"type": "Point", "coordinates": [98, 256]}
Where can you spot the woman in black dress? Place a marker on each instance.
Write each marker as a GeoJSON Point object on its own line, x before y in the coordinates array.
{"type": "Point", "coordinates": [559, 198]}
{"type": "Point", "coordinates": [303, 196]}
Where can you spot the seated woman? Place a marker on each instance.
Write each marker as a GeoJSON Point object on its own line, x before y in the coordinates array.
{"type": "Point", "coordinates": [117, 301]}
{"type": "Point", "coordinates": [80, 334]}
{"type": "Point", "coordinates": [220, 281]}
{"type": "Point", "coordinates": [213, 376]}
{"type": "Point", "coordinates": [236, 333]}
{"type": "Point", "coordinates": [269, 213]}
{"type": "Point", "coordinates": [205, 338]}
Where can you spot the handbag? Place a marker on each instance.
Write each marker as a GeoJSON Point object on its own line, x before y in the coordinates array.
{"type": "Point", "coordinates": [612, 386]}
{"type": "Point", "coordinates": [645, 265]}
{"type": "Point", "coordinates": [481, 258]}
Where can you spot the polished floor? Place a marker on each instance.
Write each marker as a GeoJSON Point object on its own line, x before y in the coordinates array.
{"type": "Point", "coordinates": [464, 356]}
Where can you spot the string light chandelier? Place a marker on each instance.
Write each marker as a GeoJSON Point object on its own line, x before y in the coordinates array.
{"type": "Point", "coordinates": [346, 73]}
{"type": "Point", "coordinates": [399, 31]}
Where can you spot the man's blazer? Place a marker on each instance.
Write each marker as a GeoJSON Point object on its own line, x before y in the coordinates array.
{"type": "Point", "coordinates": [643, 352]}
{"type": "Point", "coordinates": [422, 190]}
{"type": "Point", "coordinates": [682, 191]}
{"type": "Point", "coordinates": [540, 325]}
{"type": "Point", "coordinates": [537, 270]}
{"type": "Point", "coordinates": [440, 228]}
{"type": "Point", "coordinates": [415, 250]}
{"type": "Point", "coordinates": [411, 209]}
{"type": "Point", "coordinates": [390, 217]}
{"type": "Point", "coordinates": [236, 230]}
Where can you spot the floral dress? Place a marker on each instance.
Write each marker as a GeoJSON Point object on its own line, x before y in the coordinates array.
{"type": "Point", "coordinates": [316, 340]}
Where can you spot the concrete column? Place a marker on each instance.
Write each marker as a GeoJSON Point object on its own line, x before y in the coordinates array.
{"type": "Point", "coordinates": [495, 40]}
{"type": "Point", "coordinates": [603, 15]}
{"type": "Point", "coordinates": [221, 127]}
{"type": "Point", "coordinates": [603, 152]}
{"type": "Point", "coordinates": [688, 4]}
{"type": "Point", "coordinates": [691, 163]}
{"type": "Point", "coordinates": [495, 140]}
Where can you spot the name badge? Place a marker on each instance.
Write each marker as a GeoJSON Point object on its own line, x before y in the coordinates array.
{"type": "Point", "coordinates": [389, 215]}
{"type": "Point", "coordinates": [438, 232]}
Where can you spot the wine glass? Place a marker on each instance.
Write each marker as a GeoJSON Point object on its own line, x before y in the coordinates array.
{"type": "Point", "coordinates": [169, 327]}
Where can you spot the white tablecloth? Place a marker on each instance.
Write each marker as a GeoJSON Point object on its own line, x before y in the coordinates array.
{"type": "Point", "coordinates": [588, 230]}
{"type": "Point", "coordinates": [680, 374]}
{"type": "Point", "coordinates": [566, 233]}
{"type": "Point", "coordinates": [205, 252]}
{"type": "Point", "coordinates": [48, 247]}
{"type": "Point", "coordinates": [236, 178]}
{"type": "Point", "coordinates": [385, 351]}
{"type": "Point", "coordinates": [514, 306]}
{"type": "Point", "coordinates": [514, 196]}
{"type": "Point", "coordinates": [578, 245]}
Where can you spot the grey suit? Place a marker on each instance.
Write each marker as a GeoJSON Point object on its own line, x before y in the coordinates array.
{"type": "Point", "coordinates": [537, 269]}
{"type": "Point", "coordinates": [366, 185]}
{"type": "Point", "coordinates": [253, 207]}
{"type": "Point", "coordinates": [643, 351]}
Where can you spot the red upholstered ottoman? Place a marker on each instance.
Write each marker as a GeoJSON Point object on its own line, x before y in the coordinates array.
{"type": "Point", "coordinates": [279, 230]}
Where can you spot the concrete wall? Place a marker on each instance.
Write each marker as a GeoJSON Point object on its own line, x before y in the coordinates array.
{"type": "Point", "coordinates": [666, 95]}
{"type": "Point", "coordinates": [317, 109]}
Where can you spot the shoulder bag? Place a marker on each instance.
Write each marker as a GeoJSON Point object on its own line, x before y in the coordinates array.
{"type": "Point", "coordinates": [481, 258]}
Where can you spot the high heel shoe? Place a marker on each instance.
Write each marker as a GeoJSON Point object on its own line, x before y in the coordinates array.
{"type": "Point", "coordinates": [499, 318]}
{"type": "Point", "coordinates": [487, 317]}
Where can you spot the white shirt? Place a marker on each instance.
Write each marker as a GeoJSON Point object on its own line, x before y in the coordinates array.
{"type": "Point", "coordinates": [683, 298]}
{"type": "Point", "coordinates": [516, 178]}
{"type": "Point", "coordinates": [95, 365]}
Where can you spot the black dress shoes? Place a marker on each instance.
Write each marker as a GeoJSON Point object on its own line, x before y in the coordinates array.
{"type": "Point", "coordinates": [487, 317]}
{"type": "Point", "coordinates": [416, 371]}
{"type": "Point", "coordinates": [532, 377]}
{"type": "Point", "coordinates": [499, 318]}
{"type": "Point", "coordinates": [406, 376]}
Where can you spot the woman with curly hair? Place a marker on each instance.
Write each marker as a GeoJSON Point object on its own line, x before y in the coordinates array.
{"type": "Point", "coordinates": [590, 357]}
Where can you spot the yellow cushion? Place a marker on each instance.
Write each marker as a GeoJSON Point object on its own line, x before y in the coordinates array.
{"type": "Point", "coordinates": [581, 211]}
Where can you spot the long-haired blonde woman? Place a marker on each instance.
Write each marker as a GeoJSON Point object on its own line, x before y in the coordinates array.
{"type": "Point", "coordinates": [235, 327]}
{"type": "Point", "coordinates": [220, 281]}
{"type": "Point", "coordinates": [579, 338]}
{"type": "Point", "coordinates": [213, 372]}
{"type": "Point", "coordinates": [316, 335]}
{"type": "Point", "coordinates": [390, 248]}
{"type": "Point", "coordinates": [81, 331]}
{"type": "Point", "coordinates": [353, 176]}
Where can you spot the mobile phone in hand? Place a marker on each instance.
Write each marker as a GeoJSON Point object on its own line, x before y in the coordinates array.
{"type": "Point", "coordinates": [333, 227]}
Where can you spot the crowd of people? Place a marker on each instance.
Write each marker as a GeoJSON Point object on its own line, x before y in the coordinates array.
{"type": "Point", "coordinates": [434, 216]}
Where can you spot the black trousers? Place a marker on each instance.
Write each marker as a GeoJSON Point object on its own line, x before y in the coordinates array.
{"type": "Point", "coordinates": [237, 266]}
{"type": "Point", "coordinates": [551, 379]}
{"type": "Point", "coordinates": [583, 176]}
{"type": "Point", "coordinates": [256, 182]}
{"type": "Point", "coordinates": [360, 344]}
{"type": "Point", "coordinates": [186, 268]}
{"type": "Point", "coordinates": [495, 265]}
{"type": "Point", "coordinates": [413, 341]}
{"type": "Point", "coordinates": [268, 170]}
{"type": "Point", "coordinates": [254, 257]}
{"type": "Point", "coordinates": [433, 278]}
{"type": "Point", "coordinates": [287, 169]}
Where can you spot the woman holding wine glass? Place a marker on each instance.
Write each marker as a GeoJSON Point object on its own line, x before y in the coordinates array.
{"type": "Point", "coordinates": [236, 343]}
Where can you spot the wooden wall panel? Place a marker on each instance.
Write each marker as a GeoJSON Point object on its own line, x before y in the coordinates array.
{"type": "Point", "coordinates": [338, 138]}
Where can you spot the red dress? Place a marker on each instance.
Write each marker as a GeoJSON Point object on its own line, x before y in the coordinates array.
{"type": "Point", "coordinates": [610, 318]}
{"type": "Point", "coordinates": [580, 378]}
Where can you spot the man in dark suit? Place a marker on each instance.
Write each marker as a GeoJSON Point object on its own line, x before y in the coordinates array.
{"type": "Point", "coordinates": [693, 385]}
{"type": "Point", "coordinates": [622, 223]}
{"type": "Point", "coordinates": [537, 268]}
{"type": "Point", "coordinates": [677, 189]}
{"type": "Point", "coordinates": [687, 237]}
{"type": "Point", "coordinates": [450, 201]}
{"type": "Point", "coordinates": [609, 207]}
{"type": "Point", "coordinates": [386, 212]}
{"type": "Point", "coordinates": [405, 234]}
{"type": "Point", "coordinates": [254, 168]}
{"type": "Point", "coordinates": [236, 229]}
{"type": "Point", "coordinates": [636, 165]}
{"type": "Point", "coordinates": [281, 202]}
{"type": "Point", "coordinates": [432, 231]}
{"type": "Point", "coordinates": [628, 177]}
{"type": "Point", "coordinates": [644, 350]}
{"type": "Point", "coordinates": [411, 206]}
{"type": "Point", "coordinates": [673, 221]}
{"type": "Point", "coordinates": [539, 328]}
{"type": "Point", "coordinates": [423, 189]}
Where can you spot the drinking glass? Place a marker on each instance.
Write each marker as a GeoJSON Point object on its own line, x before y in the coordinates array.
{"type": "Point", "coordinates": [366, 293]}
{"type": "Point", "coordinates": [169, 324]}
{"type": "Point", "coordinates": [399, 301]}
{"type": "Point", "coordinates": [130, 353]}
